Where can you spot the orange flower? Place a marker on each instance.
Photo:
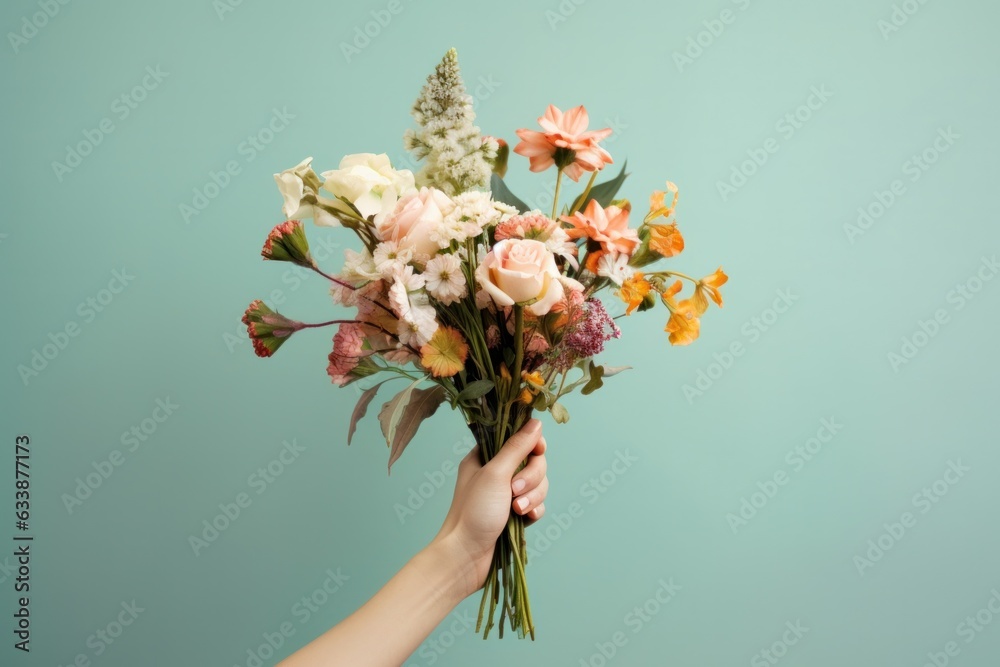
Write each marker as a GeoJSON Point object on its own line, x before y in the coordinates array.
{"type": "Point", "coordinates": [608, 226]}
{"type": "Point", "coordinates": [708, 287]}
{"type": "Point", "coordinates": [633, 291]}
{"type": "Point", "coordinates": [657, 207]}
{"type": "Point", "coordinates": [683, 325]}
{"type": "Point", "coordinates": [445, 353]}
{"type": "Point", "coordinates": [666, 239]}
{"type": "Point", "coordinates": [565, 143]}
{"type": "Point", "coordinates": [535, 382]}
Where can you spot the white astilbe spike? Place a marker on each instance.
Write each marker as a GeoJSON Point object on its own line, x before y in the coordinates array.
{"type": "Point", "coordinates": [457, 158]}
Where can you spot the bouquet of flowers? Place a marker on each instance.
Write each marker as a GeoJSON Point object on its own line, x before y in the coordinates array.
{"type": "Point", "coordinates": [471, 298]}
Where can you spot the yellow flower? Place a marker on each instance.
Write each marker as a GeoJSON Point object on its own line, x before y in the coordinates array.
{"type": "Point", "coordinates": [445, 353]}
{"type": "Point", "coordinates": [633, 291]}
{"type": "Point", "coordinates": [535, 382]}
{"type": "Point", "coordinates": [708, 288]}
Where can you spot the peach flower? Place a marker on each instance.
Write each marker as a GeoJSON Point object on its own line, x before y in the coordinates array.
{"type": "Point", "coordinates": [608, 226]}
{"type": "Point", "coordinates": [565, 142]}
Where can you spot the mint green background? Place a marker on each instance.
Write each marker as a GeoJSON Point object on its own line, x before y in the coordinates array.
{"type": "Point", "coordinates": [165, 335]}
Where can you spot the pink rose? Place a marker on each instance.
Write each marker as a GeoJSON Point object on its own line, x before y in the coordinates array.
{"type": "Point", "coordinates": [521, 271]}
{"type": "Point", "coordinates": [413, 220]}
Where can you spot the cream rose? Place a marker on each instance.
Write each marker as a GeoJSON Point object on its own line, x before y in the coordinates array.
{"type": "Point", "coordinates": [370, 183]}
{"type": "Point", "coordinates": [413, 220]}
{"type": "Point", "coordinates": [298, 191]}
{"type": "Point", "coordinates": [521, 271]}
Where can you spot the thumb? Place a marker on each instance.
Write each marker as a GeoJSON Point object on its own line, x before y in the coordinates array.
{"type": "Point", "coordinates": [517, 448]}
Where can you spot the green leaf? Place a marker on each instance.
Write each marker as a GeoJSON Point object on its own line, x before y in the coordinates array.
{"type": "Point", "coordinates": [422, 404]}
{"type": "Point", "coordinates": [596, 379]}
{"type": "Point", "coordinates": [475, 390]}
{"type": "Point", "coordinates": [391, 412]}
{"type": "Point", "coordinates": [604, 193]}
{"type": "Point", "coordinates": [559, 413]}
{"type": "Point", "coordinates": [361, 409]}
{"type": "Point", "coordinates": [502, 194]}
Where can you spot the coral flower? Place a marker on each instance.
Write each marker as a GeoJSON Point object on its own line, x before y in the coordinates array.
{"type": "Point", "coordinates": [633, 291]}
{"type": "Point", "coordinates": [445, 353]}
{"type": "Point", "coordinates": [608, 226]}
{"type": "Point", "coordinates": [565, 142]}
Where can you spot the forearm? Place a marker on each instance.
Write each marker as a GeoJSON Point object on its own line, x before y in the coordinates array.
{"type": "Point", "coordinates": [393, 623]}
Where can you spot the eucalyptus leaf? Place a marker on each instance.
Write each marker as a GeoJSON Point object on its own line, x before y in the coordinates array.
{"type": "Point", "coordinates": [361, 409]}
{"type": "Point", "coordinates": [502, 193]}
{"type": "Point", "coordinates": [422, 404]}
{"type": "Point", "coordinates": [391, 412]}
{"type": "Point", "coordinates": [611, 371]}
{"type": "Point", "coordinates": [475, 390]}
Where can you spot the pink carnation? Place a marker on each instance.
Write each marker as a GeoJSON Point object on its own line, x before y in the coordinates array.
{"type": "Point", "coordinates": [348, 350]}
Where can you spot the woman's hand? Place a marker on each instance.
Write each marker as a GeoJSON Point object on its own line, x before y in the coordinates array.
{"type": "Point", "coordinates": [485, 495]}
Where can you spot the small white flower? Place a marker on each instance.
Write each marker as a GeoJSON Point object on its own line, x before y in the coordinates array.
{"type": "Point", "coordinates": [389, 257]}
{"type": "Point", "coordinates": [445, 279]}
{"type": "Point", "coordinates": [359, 266]}
{"type": "Point", "coordinates": [418, 327]}
{"type": "Point", "coordinates": [614, 266]}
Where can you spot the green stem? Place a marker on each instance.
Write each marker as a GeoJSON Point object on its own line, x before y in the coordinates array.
{"type": "Point", "coordinates": [583, 197]}
{"type": "Point", "coordinates": [555, 198]}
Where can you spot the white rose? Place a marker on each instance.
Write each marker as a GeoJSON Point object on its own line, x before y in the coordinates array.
{"type": "Point", "coordinates": [413, 220]}
{"type": "Point", "coordinates": [521, 271]}
{"type": "Point", "coordinates": [370, 183]}
{"type": "Point", "coordinates": [296, 184]}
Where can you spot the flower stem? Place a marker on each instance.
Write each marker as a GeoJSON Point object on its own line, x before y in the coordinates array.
{"type": "Point", "coordinates": [583, 197]}
{"type": "Point", "coordinates": [555, 198]}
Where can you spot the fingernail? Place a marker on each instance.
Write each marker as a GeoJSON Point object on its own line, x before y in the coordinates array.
{"type": "Point", "coordinates": [519, 485]}
{"type": "Point", "coordinates": [521, 503]}
{"type": "Point", "coordinates": [534, 425]}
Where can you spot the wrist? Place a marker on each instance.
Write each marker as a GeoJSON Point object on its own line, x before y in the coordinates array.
{"type": "Point", "coordinates": [462, 566]}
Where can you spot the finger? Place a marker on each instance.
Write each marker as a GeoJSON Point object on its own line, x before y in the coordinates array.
{"type": "Point", "coordinates": [517, 448]}
{"type": "Point", "coordinates": [534, 515]}
{"type": "Point", "coordinates": [532, 499]}
{"type": "Point", "coordinates": [531, 475]}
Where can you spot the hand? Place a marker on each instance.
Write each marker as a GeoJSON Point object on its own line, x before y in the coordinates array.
{"type": "Point", "coordinates": [485, 495]}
